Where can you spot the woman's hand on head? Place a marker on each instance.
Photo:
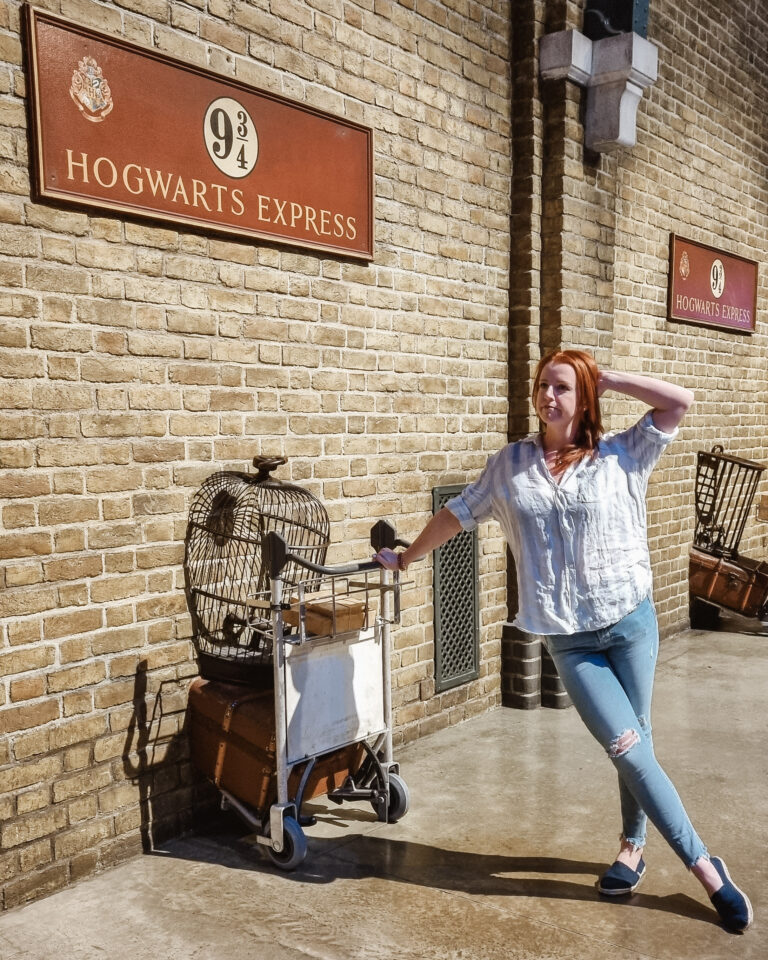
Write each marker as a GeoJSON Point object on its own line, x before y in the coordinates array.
{"type": "Point", "coordinates": [668, 401]}
{"type": "Point", "coordinates": [387, 558]}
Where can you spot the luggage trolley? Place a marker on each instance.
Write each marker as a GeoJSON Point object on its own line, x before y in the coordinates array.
{"type": "Point", "coordinates": [321, 721]}
{"type": "Point", "coordinates": [332, 686]}
{"type": "Point", "coordinates": [720, 577]}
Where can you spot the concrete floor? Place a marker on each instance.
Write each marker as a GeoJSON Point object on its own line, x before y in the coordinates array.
{"type": "Point", "coordinates": [513, 816]}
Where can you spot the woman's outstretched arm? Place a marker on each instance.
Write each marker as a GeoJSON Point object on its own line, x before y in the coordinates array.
{"type": "Point", "coordinates": [438, 531]}
{"type": "Point", "coordinates": [669, 401]}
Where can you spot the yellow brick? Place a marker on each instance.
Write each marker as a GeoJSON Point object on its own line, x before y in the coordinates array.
{"type": "Point", "coordinates": [32, 827]}
{"type": "Point", "coordinates": [69, 540]}
{"type": "Point", "coordinates": [23, 775]}
{"type": "Point", "coordinates": [67, 510]}
{"type": "Point", "coordinates": [116, 641]}
{"type": "Point", "coordinates": [77, 731]}
{"type": "Point", "coordinates": [28, 689]}
{"type": "Point", "coordinates": [74, 677]}
{"type": "Point", "coordinates": [118, 796]}
{"type": "Point", "coordinates": [74, 568]}
{"type": "Point", "coordinates": [71, 842]}
{"type": "Point", "coordinates": [22, 574]}
{"type": "Point", "coordinates": [86, 808]}
{"type": "Point", "coordinates": [31, 800]}
{"type": "Point", "coordinates": [27, 716]}
{"type": "Point", "coordinates": [66, 624]}
{"type": "Point", "coordinates": [117, 588]}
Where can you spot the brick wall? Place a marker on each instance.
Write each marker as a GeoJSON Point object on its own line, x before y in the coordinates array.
{"type": "Point", "coordinates": [137, 360]}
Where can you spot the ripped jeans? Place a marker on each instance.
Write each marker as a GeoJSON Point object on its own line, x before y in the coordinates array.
{"type": "Point", "coordinates": [608, 674]}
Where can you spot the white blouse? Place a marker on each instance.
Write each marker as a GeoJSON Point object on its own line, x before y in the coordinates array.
{"type": "Point", "coordinates": [580, 545]}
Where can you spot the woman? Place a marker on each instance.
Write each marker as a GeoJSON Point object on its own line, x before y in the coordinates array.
{"type": "Point", "coordinates": [571, 503]}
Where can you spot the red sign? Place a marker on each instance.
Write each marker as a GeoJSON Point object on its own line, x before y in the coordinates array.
{"type": "Point", "coordinates": [711, 287]}
{"type": "Point", "coordinates": [123, 127]}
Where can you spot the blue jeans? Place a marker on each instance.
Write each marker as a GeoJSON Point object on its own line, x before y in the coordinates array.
{"type": "Point", "coordinates": [608, 674]}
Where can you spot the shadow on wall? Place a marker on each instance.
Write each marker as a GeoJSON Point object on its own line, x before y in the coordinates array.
{"type": "Point", "coordinates": [172, 795]}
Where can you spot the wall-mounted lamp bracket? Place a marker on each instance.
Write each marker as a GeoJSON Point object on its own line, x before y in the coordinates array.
{"type": "Point", "coordinates": [615, 71]}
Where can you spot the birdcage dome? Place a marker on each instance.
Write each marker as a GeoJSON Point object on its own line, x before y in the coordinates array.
{"type": "Point", "coordinates": [226, 564]}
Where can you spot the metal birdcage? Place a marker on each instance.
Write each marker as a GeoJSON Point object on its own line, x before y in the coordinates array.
{"type": "Point", "coordinates": [226, 565]}
{"type": "Point", "coordinates": [725, 489]}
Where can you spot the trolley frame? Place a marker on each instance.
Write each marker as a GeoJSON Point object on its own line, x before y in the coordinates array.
{"type": "Point", "coordinates": [280, 827]}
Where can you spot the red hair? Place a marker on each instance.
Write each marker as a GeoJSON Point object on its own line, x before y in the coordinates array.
{"type": "Point", "coordinates": [590, 426]}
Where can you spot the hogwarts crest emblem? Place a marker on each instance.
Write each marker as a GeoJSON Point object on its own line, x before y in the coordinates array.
{"type": "Point", "coordinates": [90, 91]}
{"type": "Point", "coordinates": [685, 265]}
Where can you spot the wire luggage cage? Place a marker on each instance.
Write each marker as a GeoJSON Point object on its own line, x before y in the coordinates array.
{"type": "Point", "coordinates": [226, 565]}
{"type": "Point", "coordinates": [725, 490]}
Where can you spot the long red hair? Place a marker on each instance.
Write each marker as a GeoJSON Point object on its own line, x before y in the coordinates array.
{"type": "Point", "coordinates": [590, 427]}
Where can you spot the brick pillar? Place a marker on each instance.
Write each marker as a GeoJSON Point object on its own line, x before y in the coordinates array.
{"type": "Point", "coordinates": [529, 678]}
{"type": "Point", "coordinates": [578, 221]}
{"type": "Point", "coordinates": [539, 261]}
{"type": "Point", "coordinates": [521, 669]}
{"type": "Point", "coordinates": [525, 215]}
{"type": "Point", "coordinates": [552, 690]}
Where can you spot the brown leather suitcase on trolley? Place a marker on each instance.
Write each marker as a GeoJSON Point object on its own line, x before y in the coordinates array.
{"type": "Point", "coordinates": [232, 735]}
{"type": "Point", "coordinates": [739, 584]}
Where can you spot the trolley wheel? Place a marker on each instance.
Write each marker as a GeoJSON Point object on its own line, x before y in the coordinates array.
{"type": "Point", "coordinates": [294, 846]}
{"type": "Point", "coordinates": [399, 798]}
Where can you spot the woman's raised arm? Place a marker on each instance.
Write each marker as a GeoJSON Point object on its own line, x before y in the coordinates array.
{"type": "Point", "coordinates": [670, 402]}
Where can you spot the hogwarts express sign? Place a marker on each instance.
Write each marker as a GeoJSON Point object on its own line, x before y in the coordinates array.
{"type": "Point", "coordinates": [710, 287]}
{"type": "Point", "coordinates": [120, 127]}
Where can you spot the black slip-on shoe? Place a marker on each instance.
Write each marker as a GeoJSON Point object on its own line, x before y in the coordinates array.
{"type": "Point", "coordinates": [619, 879]}
{"type": "Point", "coordinates": [732, 904]}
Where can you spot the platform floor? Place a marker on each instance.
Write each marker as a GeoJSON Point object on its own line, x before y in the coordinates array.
{"type": "Point", "coordinates": [513, 816]}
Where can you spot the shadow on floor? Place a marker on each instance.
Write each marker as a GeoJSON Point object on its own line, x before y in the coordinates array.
{"type": "Point", "coordinates": [419, 864]}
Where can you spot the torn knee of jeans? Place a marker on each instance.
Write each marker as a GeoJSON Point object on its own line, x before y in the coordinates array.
{"type": "Point", "coordinates": [623, 743]}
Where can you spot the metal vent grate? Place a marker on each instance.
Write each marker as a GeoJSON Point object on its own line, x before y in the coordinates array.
{"type": "Point", "coordinates": [457, 620]}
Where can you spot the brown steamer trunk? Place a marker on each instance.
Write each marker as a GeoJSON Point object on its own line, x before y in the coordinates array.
{"type": "Point", "coordinates": [233, 744]}
{"type": "Point", "coordinates": [738, 584]}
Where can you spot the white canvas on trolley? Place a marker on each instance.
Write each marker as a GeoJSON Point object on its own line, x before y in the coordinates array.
{"type": "Point", "coordinates": [334, 692]}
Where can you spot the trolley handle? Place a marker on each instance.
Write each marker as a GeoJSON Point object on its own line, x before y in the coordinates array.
{"type": "Point", "coordinates": [279, 556]}
{"type": "Point", "coordinates": [382, 535]}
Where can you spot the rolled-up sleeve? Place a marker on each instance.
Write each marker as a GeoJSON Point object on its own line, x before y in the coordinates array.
{"type": "Point", "coordinates": [644, 443]}
{"type": "Point", "coordinates": [475, 503]}
{"type": "Point", "coordinates": [647, 427]}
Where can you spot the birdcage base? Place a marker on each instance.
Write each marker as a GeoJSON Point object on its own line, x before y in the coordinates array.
{"type": "Point", "coordinates": [256, 675]}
